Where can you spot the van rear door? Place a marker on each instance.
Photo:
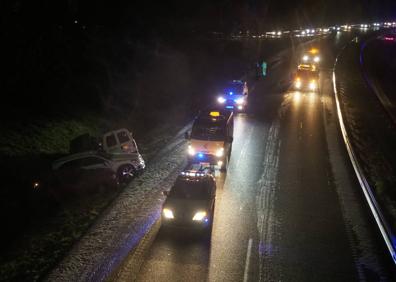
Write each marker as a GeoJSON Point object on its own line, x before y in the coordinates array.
{"type": "Point", "coordinates": [119, 141]}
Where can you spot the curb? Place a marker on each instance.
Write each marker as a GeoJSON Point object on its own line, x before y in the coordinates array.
{"type": "Point", "coordinates": [385, 230]}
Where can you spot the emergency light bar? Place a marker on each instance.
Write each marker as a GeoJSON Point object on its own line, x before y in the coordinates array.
{"type": "Point", "coordinates": [192, 173]}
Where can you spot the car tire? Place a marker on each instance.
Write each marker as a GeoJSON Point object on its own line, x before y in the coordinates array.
{"type": "Point", "coordinates": [125, 173]}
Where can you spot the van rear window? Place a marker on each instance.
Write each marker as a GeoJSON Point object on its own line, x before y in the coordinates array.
{"type": "Point", "coordinates": [123, 137]}
{"type": "Point", "coordinates": [111, 140]}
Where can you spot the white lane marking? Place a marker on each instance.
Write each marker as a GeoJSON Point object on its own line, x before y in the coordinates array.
{"type": "Point", "coordinates": [249, 250]}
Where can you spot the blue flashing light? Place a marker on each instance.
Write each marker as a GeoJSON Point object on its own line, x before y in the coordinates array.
{"type": "Point", "coordinates": [231, 93]}
{"type": "Point", "coordinates": [229, 107]}
{"type": "Point", "coordinates": [200, 155]}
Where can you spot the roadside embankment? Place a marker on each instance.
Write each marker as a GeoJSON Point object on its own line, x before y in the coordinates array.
{"type": "Point", "coordinates": [370, 137]}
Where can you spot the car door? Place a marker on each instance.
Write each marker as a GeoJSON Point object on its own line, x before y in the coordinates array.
{"type": "Point", "coordinates": [96, 172]}
{"type": "Point", "coordinates": [93, 163]}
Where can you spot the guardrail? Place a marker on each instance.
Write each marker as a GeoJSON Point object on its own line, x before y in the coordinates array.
{"type": "Point", "coordinates": [386, 232]}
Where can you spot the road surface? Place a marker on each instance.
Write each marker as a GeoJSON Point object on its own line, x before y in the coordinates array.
{"type": "Point", "coordinates": [289, 207]}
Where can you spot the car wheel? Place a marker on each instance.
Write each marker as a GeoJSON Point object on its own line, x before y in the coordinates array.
{"type": "Point", "coordinates": [126, 173]}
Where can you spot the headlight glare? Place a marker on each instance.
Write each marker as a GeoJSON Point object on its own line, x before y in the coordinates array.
{"type": "Point", "coordinates": [191, 150]}
{"type": "Point", "coordinates": [239, 101]}
{"type": "Point", "coordinates": [221, 100]}
{"type": "Point", "coordinates": [220, 152]}
{"type": "Point", "coordinates": [168, 213]}
{"type": "Point", "coordinates": [312, 85]}
{"type": "Point", "coordinates": [199, 216]}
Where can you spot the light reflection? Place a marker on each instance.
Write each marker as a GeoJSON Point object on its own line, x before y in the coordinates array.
{"type": "Point", "coordinates": [297, 97]}
{"type": "Point", "coordinates": [312, 97]}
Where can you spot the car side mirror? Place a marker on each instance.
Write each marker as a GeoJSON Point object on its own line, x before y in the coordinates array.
{"type": "Point", "coordinates": [187, 135]}
{"type": "Point", "coordinates": [165, 193]}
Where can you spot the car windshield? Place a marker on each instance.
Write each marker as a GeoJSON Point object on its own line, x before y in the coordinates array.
{"type": "Point", "coordinates": [305, 74]}
{"type": "Point", "coordinates": [208, 131]}
{"type": "Point", "coordinates": [190, 189]}
{"type": "Point", "coordinates": [234, 88]}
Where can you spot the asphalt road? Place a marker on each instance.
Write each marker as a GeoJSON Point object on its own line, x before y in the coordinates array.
{"type": "Point", "coordinates": [289, 207]}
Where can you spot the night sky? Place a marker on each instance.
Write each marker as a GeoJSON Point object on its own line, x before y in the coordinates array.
{"type": "Point", "coordinates": [223, 15]}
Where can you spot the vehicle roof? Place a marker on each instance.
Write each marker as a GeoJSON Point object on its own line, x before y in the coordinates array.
{"type": "Point", "coordinates": [223, 116]}
{"type": "Point", "coordinates": [236, 81]}
{"type": "Point", "coordinates": [117, 130]}
{"type": "Point", "coordinates": [308, 66]}
{"type": "Point", "coordinates": [206, 178]}
{"type": "Point", "coordinates": [306, 73]}
{"type": "Point", "coordinates": [204, 184]}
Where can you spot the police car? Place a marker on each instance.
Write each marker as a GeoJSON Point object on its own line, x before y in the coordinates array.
{"type": "Point", "coordinates": [190, 202]}
{"type": "Point", "coordinates": [234, 96]}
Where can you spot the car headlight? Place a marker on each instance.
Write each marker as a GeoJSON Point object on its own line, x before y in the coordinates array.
{"type": "Point", "coordinates": [168, 213]}
{"type": "Point", "coordinates": [305, 58]}
{"type": "Point", "coordinates": [297, 83]}
{"type": "Point", "coordinates": [239, 101]}
{"type": "Point", "coordinates": [316, 59]}
{"type": "Point", "coordinates": [191, 150]}
{"type": "Point", "coordinates": [220, 152]}
{"type": "Point", "coordinates": [312, 85]}
{"type": "Point", "coordinates": [221, 100]}
{"type": "Point", "coordinates": [199, 216]}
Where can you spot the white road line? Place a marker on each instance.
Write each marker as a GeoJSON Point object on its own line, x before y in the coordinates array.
{"type": "Point", "coordinates": [249, 250]}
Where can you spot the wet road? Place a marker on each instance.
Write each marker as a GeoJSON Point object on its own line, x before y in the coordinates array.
{"type": "Point", "coordinates": [289, 207]}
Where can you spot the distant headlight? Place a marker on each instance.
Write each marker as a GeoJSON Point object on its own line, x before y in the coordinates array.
{"type": "Point", "coordinates": [220, 152]}
{"type": "Point", "coordinates": [199, 216]}
{"type": "Point", "coordinates": [316, 59]}
{"type": "Point", "coordinates": [191, 150]}
{"type": "Point", "coordinates": [221, 100]}
{"type": "Point", "coordinates": [312, 85]}
{"type": "Point", "coordinates": [168, 213]}
{"type": "Point", "coordinates": [240, 101]}
{"type": "Point", "coordinates": [297, 84]}
{"type": "Point", "coordinates": [305, 58]}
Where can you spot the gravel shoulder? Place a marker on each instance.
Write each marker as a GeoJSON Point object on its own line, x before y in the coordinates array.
{"type": "Point", "coordinates": [122, 225]}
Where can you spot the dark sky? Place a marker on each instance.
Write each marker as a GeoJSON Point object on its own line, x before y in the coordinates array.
{"type": "Point", "coordinates": [203, 14]}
